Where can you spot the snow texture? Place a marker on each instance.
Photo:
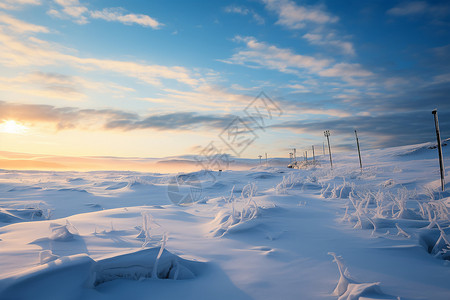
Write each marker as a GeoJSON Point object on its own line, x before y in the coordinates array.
{"type": "Point", "coordinates": [262, 233]}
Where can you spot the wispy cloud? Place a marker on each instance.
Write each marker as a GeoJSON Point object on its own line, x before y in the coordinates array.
{"type": "Point", "coordinates": [298, 88]}
{"type": "Point", "coordinates": [17, 4]}
{"type": "Point", "coordinates": [388, 117]}
{"type": "Point", "coordinates": [79, 13]}
{"type": "Point", "coordinates": [59, 86]}
{"type": "Point", "coordinates": [330, 39]}
{"type": "Point", "coordinates": [284, 60]}
{"type": "Point", "coordinates": [442, 78]}
{"type": "Point", "coordinates": [19, 26]}
{"type": "Point", "coordinates": [409, 8]}
{"type": "Point", "coordinates": [205, 97]}
{"type": "Point", "coordinates": [314, 19]}
{"type": "Point", "coordinates": [34, 52]}
{"type": "Point", "coordinates": [385, 130]}
{"type": "Point", "coordinates": [31, 52]}
{"type": "Point", "coordinates": [71, 9]}
{"type": "Point", "coordinates": [261, 54]}
{"type": "Point", "coordinates": [345, 70]}
{"type": "Point", "coordinates": [63, 118]}
{"type": "Point", "coordinates": [119, 15]}
{"type": "Point", "coordinates": [413, 8]}
{"type": "Point", "coordinates": [295, 16]}
{"type": "Point", "coordinates": [43, 85]}
{"type": "Point", "coordinates": [173, 121]}
{"type": "Point", "coordinates": [244, 11]}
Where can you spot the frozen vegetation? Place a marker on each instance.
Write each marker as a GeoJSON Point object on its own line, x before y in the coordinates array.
{"type": "Point", "coordinates": [265, 233]}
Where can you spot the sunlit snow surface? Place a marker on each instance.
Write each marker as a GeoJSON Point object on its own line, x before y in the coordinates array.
{"type": "Point", "coordinates": [265, 233]}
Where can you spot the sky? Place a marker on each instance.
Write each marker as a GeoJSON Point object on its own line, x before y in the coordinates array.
{"type": "Point", "coordinates": [171, 78]}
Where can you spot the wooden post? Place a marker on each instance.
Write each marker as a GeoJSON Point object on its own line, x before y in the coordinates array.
{"type": "Point", "coordinates": [327, 134]}
{"type": "Point", "coordinates": [259, 159]}
{"type": "Point", "coordinates": [314, 156]}
{"type": "Point", "coordinates": [266, 160]}
{"type": "Point", "coordinates": [441, 159]}
{"type": "Point", "coordinates": [359, 152]}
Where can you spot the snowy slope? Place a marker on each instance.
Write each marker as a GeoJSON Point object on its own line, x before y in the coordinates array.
{"type": "Point", "coordinates": [263, 233]}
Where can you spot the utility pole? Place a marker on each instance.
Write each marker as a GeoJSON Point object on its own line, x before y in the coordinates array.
{"type": "Point", "coordinates": [359, 152]}
{"type": "Point", "coordinates": [314, 156]}
{"type": "Point", "coordinates": [260, 159]}
{"type": "Point", "coordinates": [441, 159]}
{"type": "Point", "coordinates": [290, 157]}
{"type": "Point", "coordinates": [306, 155]}
{"type": "Point", "coordinates": [326, 133]}
{"type": "Point", "coordinates": [266, 160]}
{"type": "Point", "coordinates": [295, 154]}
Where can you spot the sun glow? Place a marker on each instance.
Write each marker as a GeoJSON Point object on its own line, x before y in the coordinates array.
{"type": "Point", "coordinates": [11, 126]}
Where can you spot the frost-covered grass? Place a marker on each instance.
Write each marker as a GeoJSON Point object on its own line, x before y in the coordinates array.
{"type": "Point", "coordinates": [397, 210]}
{"type": "Point", "coordinates": [238, 213]}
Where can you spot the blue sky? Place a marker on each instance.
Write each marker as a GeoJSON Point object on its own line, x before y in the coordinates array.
{"type": "Point", "coordinates": [165, 78]}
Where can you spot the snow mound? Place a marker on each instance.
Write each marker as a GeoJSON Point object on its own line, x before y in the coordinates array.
{"type": "Point", "coordinates": [77, 190]}
{"type": "Point", "coordinates": [24, 188]}
{"type": "Point", "coordinates": [62, 233]}
{"type": "Point", "coordinates": [239, 214]}
{"type": "Point", "coordinates": [348, 289]}
{"type": "Point", "coordinates": [228, 222]}
{"type": "Point", "coordinates": [8, 215]}
{"type": "Point", "coordinates": [261, 175]}
{"type": "Point", "coordinates": [141, 264]}
{"type": "Point", "coordinates": [417, 150]}
{"type": "Point", "coordinates": [436, 241]}
{"type": "Point", "coordinates": [117, 186]}
{"type": "Point", "coordinates": [47, 256]}
{"type": "Point", "coordinates": [77, 179]}
{"type": "Point", "coordinates": [66, 277]}
{"type": "Point", "coordinates": [62, 278]}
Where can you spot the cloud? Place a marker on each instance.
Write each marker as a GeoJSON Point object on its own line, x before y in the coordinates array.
{"type": "Point", "coordinates": [409, 8]}
{"type": "Point", "coordinates": [59, 86]}
{"type": "Point", "coordinates": [71, 9]}
{"type": "Point", "coordinates": [294, 16]}
{"type": "Point", "coordinates": [173, 121]}
{"type": "Point", "coordinates": [117, 14]}
{"type": "Point", "coordinates": [345, 70]}
{"type": "Point", "coordinates": [81, 14]}
{"type": "Point", "coordinates": [46, 85]}
{"type": "Point", "coordinates": [34, 52]}
{"type": "Point", "coordinates": [269, 56]}
{"type": "Point", "coordinates": [442, 78]}
{"type": "Point", "coordinates": [205, 97]}
{"type": "Point", "coordinates": [384, 119]}
{"type": "Point", "coordinates": [302, 107]}
{"type": "Point", "coordinates": [20, 26]}
{"type": "Point", "coordinates": [386, 130]}
{"type": "Point", "coordinates": [313, 18]}
{"type": "Point", "coordinates": [298, 88]}
{"type": "Point", "coordinates": [414, 8]}
{"type": "Point", "coordinates": [61, 118]}
{"type": "Point", "coordinates": [260, 54]}
{"type": "Point", "coordinates": [234, 9]}
{"type": "Point", "coordinates": [17, 4]}
{"type": "Point", "coordinates": [331, 40]}
{"type": "Point", "coordinates": [64, 118]}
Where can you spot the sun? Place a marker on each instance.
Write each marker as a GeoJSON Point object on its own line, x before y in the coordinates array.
{"type": "Point", "coordinates": [11, 126]}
